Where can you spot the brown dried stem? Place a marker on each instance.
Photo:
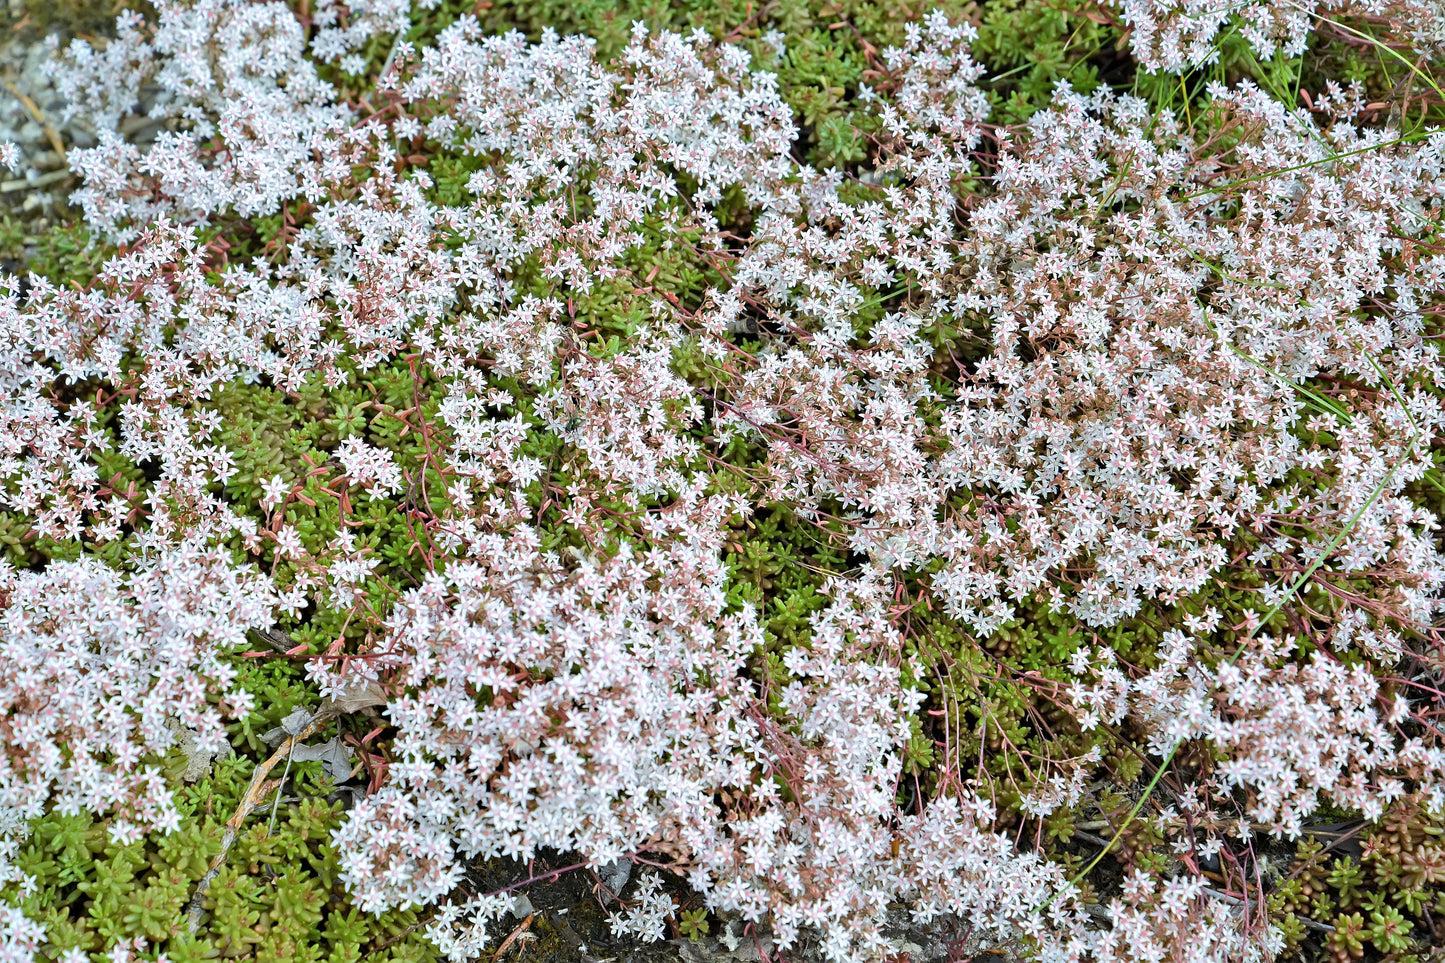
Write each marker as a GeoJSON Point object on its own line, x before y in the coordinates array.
{"type": "Point", "coordinates": [255, 794]}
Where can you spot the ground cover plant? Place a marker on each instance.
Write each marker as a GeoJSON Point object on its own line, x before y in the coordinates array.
{"type": "Point", "coordinates": [840, 459]}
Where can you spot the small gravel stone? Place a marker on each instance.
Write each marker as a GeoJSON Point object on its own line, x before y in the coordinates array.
{"type": "Point", "coordinates": [615, 876]}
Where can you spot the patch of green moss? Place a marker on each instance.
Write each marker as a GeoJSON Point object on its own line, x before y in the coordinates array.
{"type": "Point", "coordinates": [277, 897]}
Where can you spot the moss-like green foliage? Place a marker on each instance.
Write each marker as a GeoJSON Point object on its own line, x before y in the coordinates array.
{"type": "Point", "coordinates": [76, 17]}
{"type": "Point", "coordinates": [276, 896]}
{"type": "Point", "coordinates": [1367, 893]}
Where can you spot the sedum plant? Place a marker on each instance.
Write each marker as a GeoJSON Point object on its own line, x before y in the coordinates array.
{"type": "Point", "coordinates": [611, 479]}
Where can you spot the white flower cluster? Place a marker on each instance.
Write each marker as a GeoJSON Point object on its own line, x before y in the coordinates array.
{"type": "Point", "coordinates": [1292, 736]}
{"type": "Point", "coordinates": [1180, 35]}
{"type": "Point", "coordinates": [226, 69]}
{"type": "Point", "coordinates": [20, 936]}
{"type": "Point", "coordinates": [1136, 316]}
{"type": "Point", "coordinates": [372, 468]}
{"type": "Point", "coordinates": [1137, 333]}
{"type": "Point", "coordinates": [1175, 920]}
{"type": "Point", "coordinates": [95, 663]}
{"type": "Point", "coordinates": [647, 921]}
{"type": "Point", "coordinates": [343, 28]}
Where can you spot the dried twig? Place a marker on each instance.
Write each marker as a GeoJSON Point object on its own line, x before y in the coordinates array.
{"type": "Point", "coordinates": [22, 184]}
{"type": "Point", "coordinates": [513, 936]}
{"type": "Point", "coordinates": [251, 801]}
{"type": "Point", "coordinates": [50, 132]}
